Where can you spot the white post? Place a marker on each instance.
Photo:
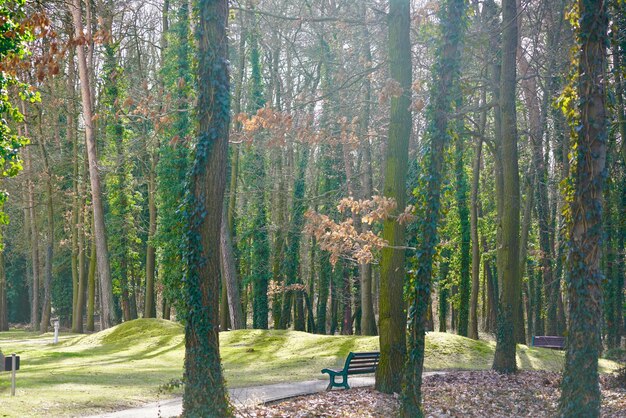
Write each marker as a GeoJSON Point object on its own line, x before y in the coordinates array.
{"type": "Point", "coordinates": [13, 367]}
{"type": "Point", "coordinates": [56, 331]}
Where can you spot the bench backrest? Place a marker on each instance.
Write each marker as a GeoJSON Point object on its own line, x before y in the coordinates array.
{"type": "Point", "coordinates": [366, 362]}
{"type": "Point", "coordinates": [548, 341]}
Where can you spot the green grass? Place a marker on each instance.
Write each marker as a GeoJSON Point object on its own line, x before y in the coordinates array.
{"type": "Point", "coordinates": [124, 366]}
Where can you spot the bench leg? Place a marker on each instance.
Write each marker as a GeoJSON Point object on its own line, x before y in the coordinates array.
{"type": "Point", "coordinates": [331, 383]}
{"type": "Point", "coordinates": [345, 381]}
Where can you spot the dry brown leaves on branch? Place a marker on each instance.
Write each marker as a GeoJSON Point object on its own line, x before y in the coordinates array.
{"type": "Point", "coordinates": [278, 288]}
{"type": "Point", "coordinates": [278, 125]}
{"type": "Point", "coordinates": [482, 394]}
{"type": "Point", "coordinates": [342, 239]}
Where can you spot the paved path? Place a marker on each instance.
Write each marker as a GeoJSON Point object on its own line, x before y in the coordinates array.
{"type": "Point", "coordinates": [239, 396]}
{"type": "Point", "coordinates": [242, 396]}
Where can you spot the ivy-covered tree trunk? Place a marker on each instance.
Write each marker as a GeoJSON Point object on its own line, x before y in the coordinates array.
{"type": "Point", "coordinates": [444, 291]}
{"type": "Point", "coordinates": [325, 276]}
{"type": "Point", "coordinates": [205, 394]}
{"type": "Point", "coordinates": [446, 74]}
{"type": "Point", "coordinates": [260, 258]}
{"type": "Point", "coordinates": [392, 315]}
{"type": "Point", "coordinates": [294, 234]}
{"type": "Point", "coordinates": [510, 293]}
{"type": "Point", "coordinates": [173, 166]}
{"type": "Point", "coordinates": [619, 55]}
{"type": "Point", "coordinates": [464, 232]}
{"type": "Point", "coordinates": [580, 391]}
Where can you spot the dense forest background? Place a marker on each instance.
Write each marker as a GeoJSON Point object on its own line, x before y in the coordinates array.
{"type": "Point", "coordinates": [305, 241]}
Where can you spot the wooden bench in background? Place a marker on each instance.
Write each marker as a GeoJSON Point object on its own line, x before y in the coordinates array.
{"type": "Point", "coordinates": [356, 363]}
{"type": "Point", "coordinates": [549, 341]}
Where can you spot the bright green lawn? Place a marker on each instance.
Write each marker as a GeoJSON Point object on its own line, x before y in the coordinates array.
{"type": "Point", "coordinates": [125, 365]}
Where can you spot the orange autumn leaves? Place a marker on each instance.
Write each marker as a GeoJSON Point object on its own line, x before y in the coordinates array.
{"type": "Point", "coordinates": [344, 239]}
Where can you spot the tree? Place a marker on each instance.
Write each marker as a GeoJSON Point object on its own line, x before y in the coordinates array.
{"type": "Point", "coordinates": [392, 271]}
{"type": "Point", "coordinates": [580, 391]}
{"type": "Point", "coordinates": [108, 317]}
{"type": "Point", "coordinates": [173, 163]}
{"type": "Point", "coordinates": [205, 394]}
{"type": "Point", "coordinates": [445, 73]}
{"type": "Point", "coordinates": [508, 255]}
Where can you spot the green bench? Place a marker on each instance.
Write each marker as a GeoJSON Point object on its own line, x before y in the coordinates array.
{"type": "Point", "coordinates": [356, 363]}
{"type": "Point", "coordinates": [549, 341]}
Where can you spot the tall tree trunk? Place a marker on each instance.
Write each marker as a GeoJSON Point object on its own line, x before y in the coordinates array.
{"type": "Point", "coordinates": [508, 311]}
{"type": "Point", "coordinates": [149, 301]}
{"type": "Point", "coordinates": [294, 234]}
{"type": "Point", "coordinates": [536, 121]}
{"type": "Point", "coordinates": [580, 391]}
{"type": "Point", "coordinates": [4, 312]}
{"type": "Point", "coordinates": [446, 74]}
{"type": "Point", "coordinates": [108, 316]}
{"type": "Point", "coordinates": [464, 230]}
{"type": "Point", "coordinates": [47, 296]}
{"type": "Point", "coordinates": [205, 394]}
{"type": "Point", "coordinates": [34, 242]}
{"type": "Point", "coordinates": [229, 272]}
{"type": "Point", "coordinates": [619, 55]}
{"type": "Point", "coordinates": [368, 320]}
{"type": "Point", "coordinates": [77, 227]}
{"type": "Point", "coordinates": [473, 314]}
{"type": "Point", "coordinates": [444, 291]}
{"type": "Point", "coordinates": [392, 315]}
{"type": "Point", "coordinates": [91, 285]}
{"type": "Point", "coordinates": [520, 332]}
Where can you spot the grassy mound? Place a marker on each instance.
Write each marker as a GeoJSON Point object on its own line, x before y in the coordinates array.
{"type": "Point", "coordinates": [126, 365]}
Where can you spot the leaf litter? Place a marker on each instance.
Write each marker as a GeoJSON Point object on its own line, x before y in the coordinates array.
{"type": "Point", "coordinates": [451, 395]}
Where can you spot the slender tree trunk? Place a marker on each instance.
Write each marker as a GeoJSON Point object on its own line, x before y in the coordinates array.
{"type": "Point", "coordinates": [325, 277]}
{"type": "Point", "coordinates": [368, 320]}
{"type": "Point", "coordinates": [77, 227]}
{"type": "Point", "coordinates": [149, 302]}
{"type": "Point", "coordinates": [4, 312]}
{"type": "Point", "coordinates": [108, 316]}
{"type": "Point", "coordinates": [47, 299]}
{"type": "Point", "coordinates": [530, 92]}
{"type": "Point", "coordinates": [392, 271]}
{"type": "Point", "coordinates": [473, 314]}
{"type": "Point", "coordinates": [444, 269]}
{"type": "Point", "coordinates": [520, 332]}
{"type": "Point", "coordinates": [34, 242]}
{"type": "Point", "coordinates": [580, 390]}
{"type": "Point", "coordinates": [91, 286]}
{"type": "Point", "coordinates": [229, 272]}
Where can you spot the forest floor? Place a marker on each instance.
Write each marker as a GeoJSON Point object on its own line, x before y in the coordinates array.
{"type": "Point", "coordinates": [482, 394]}
{"type": "Point", "coordinates": [141, 361]}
